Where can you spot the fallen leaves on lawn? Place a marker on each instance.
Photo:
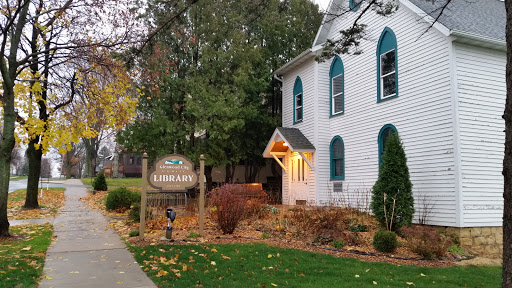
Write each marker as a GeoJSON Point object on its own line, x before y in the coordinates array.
{"type": "Point", "coordinates": [50, 203]}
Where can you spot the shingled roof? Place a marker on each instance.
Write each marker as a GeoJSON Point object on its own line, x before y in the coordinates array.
{"type": "Point", "coordinates": [296, 139]}
{"type": "Point", "coordinates": [485, 18]}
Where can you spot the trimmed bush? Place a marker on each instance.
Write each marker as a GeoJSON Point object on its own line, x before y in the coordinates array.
{"type": "Point", "coordinates": [100, 183]}
{"type": "Point", "coordinates": [338, 244]}
{"type": "Point", "coordinates": [385, 241]}
{"type": "Point", "coordinates": [121, 198]}
{"type": "Point", "coordinates": [392, 200]}
{"type": "Point", "coordinates": [134, 213]}
{"type": "Point", "coordinates": [134, 233]}
{"type": "Point", "coordinates": [229, 206]}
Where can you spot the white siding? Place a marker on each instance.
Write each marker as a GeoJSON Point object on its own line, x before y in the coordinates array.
{"type": "Point", "coordinates": [481, 101]}
{"type": "Point", "coordinates": [306, 72]}
{"type": "Point", "coordinates": [422, 114]}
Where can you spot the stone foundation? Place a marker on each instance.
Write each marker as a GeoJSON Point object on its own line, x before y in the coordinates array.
{"type": "Point", "coordinates": [482, 241]}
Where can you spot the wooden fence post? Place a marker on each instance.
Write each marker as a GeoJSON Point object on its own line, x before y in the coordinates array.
{"type": "Point", "coordinates": [143, 195]}
{"type": "Point", "coordinates": [201, 195]}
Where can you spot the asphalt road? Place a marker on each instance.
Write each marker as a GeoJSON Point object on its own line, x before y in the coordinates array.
{"type": "Point", "coordinates": [22, 184]}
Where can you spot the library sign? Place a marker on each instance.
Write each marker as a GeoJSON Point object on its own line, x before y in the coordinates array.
{"type": "Point", "coordinates": [173, 173]}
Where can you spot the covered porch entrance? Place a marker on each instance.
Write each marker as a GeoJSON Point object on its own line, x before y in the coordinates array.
{"type": "Point", "coordinates": [295, 154]}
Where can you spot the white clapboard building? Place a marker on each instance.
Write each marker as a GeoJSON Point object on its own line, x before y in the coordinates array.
{"type": "Point", "coordinates": [441, 87]}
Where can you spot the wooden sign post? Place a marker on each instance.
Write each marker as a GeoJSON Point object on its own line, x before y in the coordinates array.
{"type": "Point", "coordinates": [143, 195]}
{"type": "Point", "coordinates": [171, 173]}
{"type": "Point", "coordinates": [201, 195]}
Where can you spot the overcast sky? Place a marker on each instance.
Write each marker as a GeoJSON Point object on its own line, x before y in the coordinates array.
{"type": "Point", "coordinates": [322, 3]}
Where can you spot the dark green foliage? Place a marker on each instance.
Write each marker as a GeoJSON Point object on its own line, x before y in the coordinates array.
{"type": "Point", "coordinates": [358, 228]}
{"type": "Point", "coordinates": [338, 244]}
{"type": "Point", "coordinates": [385, 241]}
{"type": "Point", "coordinates": [121, 198]}
{"type": "Point", "coordinates": [393, 184]}
{"type": "Point", "coordinates": [100, 183]}
{"type": "Point", "coordinates": [134, 213]}
{"type": "Point", "coordinates": [134, 233]}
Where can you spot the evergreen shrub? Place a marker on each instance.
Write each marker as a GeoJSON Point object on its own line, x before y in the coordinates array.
{"type": "Point", "coordinates": [121, 198]}
{"type": "Point", "coordinates": [392, 200]}
{"type": "Point", "coordinates": [385, 241]}
{"type": "Point", "coordinates": [134, 213]}
{"type": "Point", "coordinates": [100, 183]}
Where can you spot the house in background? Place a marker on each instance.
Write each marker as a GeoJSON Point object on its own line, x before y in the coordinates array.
{"type": "Point", "coordinates": [440, 88]}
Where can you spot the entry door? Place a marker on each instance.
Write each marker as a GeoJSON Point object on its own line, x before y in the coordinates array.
{"type": "Point", "coordinates": [299, 171]}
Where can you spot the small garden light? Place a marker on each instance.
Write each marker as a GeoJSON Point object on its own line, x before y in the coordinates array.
{"type": "Point", "coordinates": [171, 215]}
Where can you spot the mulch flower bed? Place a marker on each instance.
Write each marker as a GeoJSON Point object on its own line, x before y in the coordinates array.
{"type": "Point", "coordinates": [299, 227]}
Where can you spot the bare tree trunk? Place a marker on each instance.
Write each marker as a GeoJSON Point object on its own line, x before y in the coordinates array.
{"type": "Point", "coordinates": [34, 171]}
{"type": "Point", "coordinates": [208, 175]}
{"type": "Point", "coordinates": [6, 146]}
{"type": "Point", "coordinates": [230, 173]}
{"type": "Point", "coordinates": [91, 148]}
{"type": "Point", "coordinates": [251, 170]}
{"type": "Point", "coordinates": [507, 160]}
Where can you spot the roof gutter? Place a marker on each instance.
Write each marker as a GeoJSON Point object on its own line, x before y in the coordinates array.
{"type": "Point", "coordinates": [482, 39]}
{"type": "Point", "coordinates": [293, 61]}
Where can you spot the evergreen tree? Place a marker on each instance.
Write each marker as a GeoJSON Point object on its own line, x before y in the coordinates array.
{"type": "Point", "coordinates": [393, 187]}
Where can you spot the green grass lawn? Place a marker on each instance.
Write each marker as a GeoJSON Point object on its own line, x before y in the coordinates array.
{"type": "Point", "coordinates": [260, 265]}
{"type": "Point", "coordinates": [22, 256]}
{"type": "Point", "coordinates": [16, 178]}
{"type": "Point", "coordinates": [115, 183]}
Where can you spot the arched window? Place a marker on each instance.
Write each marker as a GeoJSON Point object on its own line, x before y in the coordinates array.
{"type": "Point", "coordinates": [297, 101]}
{"type": "Point", "coordinates": [354, 4]}
{"type": "Point", "coordinates": [337, 159]}
{"type": "Point", "coordinates": [384, 133]}
{"type": "Point", "coordinates": [337, 86]}
{"type": "Point", "coordinates": [387, 66]}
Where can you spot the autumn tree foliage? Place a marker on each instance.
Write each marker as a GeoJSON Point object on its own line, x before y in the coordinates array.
{"type": "Point", "coordinates": [39, 46]}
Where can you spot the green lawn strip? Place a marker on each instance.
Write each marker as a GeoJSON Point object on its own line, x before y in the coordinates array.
{"type": "Point", "coordinates": [122, 182]}
{"type": "Point", "coordinates": [260, 265]}
{"type": "Point", "coordinates": [16, 178]}
{"type": "Point", "coordinates": [22, 257]}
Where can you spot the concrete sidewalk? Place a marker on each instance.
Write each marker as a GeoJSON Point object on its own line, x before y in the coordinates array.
{"type": "Point", "coordinates": [87, 252]}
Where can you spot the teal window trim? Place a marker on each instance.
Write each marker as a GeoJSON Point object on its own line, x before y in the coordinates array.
{"type": "Point", "coordinates": [336, 70]}
{"type": "Point", "coordinates": [387, 42]}
{"type": "Point", "coordinates": [333, 158]}
{"type": "Point", "coordinates": [297, 92]}
{"type": "Point", "coordinates": [380, 140]}
{"type": "Point", "coordinates": [354, 4]}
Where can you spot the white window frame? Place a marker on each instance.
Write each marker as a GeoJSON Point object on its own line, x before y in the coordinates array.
{"type": "Point", "coordinates": [382, 76]}
{"type": "Point", "coordinates": [298, 107]}
{"type": "Point", "coordinates": [333, 106]}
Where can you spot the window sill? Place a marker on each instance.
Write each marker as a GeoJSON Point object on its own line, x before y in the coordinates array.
{"type": "Point", "coordinates": [337, 178]}
{"type": "Point", "coordinates": [297, 122]}
{"type": "Point", "coordinates": [385, 99]}
{"type": "Point", "coordinates": [337, 114]}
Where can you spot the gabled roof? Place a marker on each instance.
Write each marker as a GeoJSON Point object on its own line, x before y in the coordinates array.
{"type": "Point", "coordinates": [294, 139]}
{"type": "Point", "coordinates": [477, 18]}
{"type": "Point", "coordinates": [485, 18]}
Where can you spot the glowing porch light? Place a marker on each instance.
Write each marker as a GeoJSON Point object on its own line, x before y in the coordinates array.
{"type": "Point", "coordinates": [285, 144]}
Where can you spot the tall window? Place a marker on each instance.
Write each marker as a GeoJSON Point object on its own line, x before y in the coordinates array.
{"type": "Point", "coordinates": [384, 133]}
{"type": "Point", "coordinates": [297, 101]}
{"type": "Point", "coordinates": [387, 66]}
{"type": "Point", "coordinates": [337, 86]}
{"type": "Point", "coordinates": [337, 159]}
{"type": "Point", "coordinates": [354, 4]}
